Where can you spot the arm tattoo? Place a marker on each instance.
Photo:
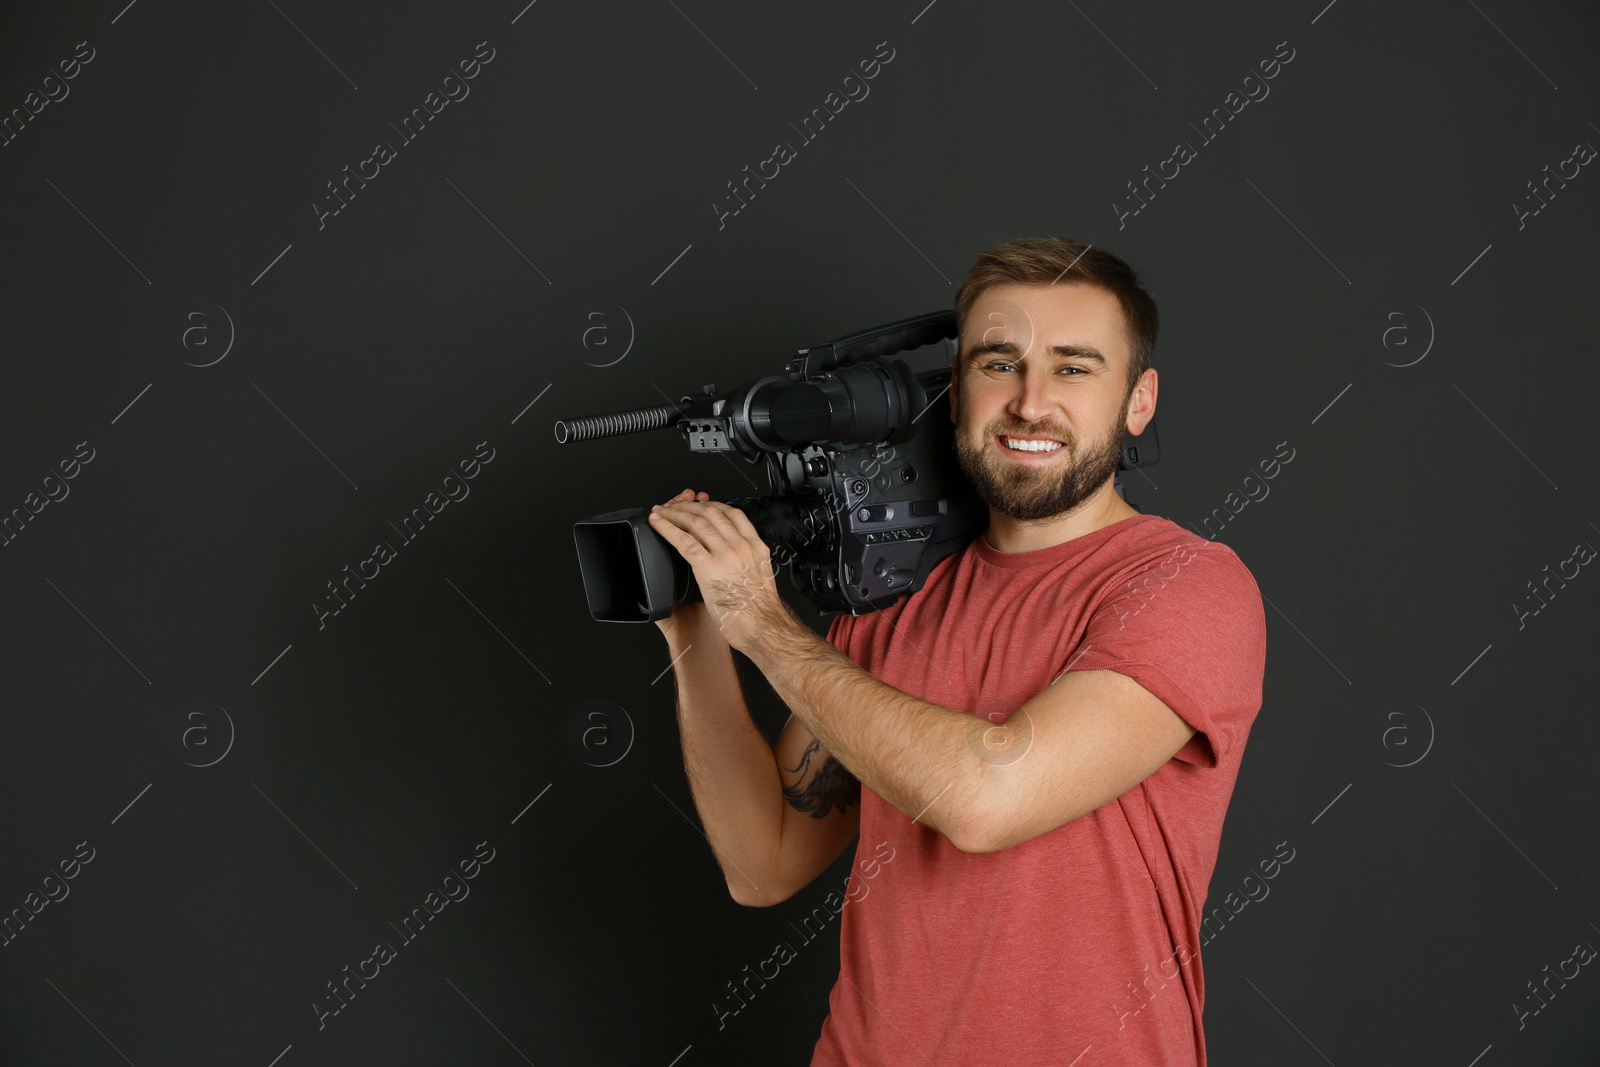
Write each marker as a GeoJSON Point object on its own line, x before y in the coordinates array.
{"type": "Point", "coordinates": [831, 787]}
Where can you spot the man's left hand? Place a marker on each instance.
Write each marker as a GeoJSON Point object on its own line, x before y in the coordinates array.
{"type": "Point", "coordinates": [732, 566]}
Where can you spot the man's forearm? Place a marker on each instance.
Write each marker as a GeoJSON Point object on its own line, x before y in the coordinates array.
{"type": "Point", "coordinates": [921, 757]}
{"type": "Point", "coordinates": [729, 764]}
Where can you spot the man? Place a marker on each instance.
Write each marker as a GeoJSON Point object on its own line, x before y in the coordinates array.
{"type": "Point", "coordinates": [1036, 749]}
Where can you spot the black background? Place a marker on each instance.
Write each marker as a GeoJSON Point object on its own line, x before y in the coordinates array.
{"type": "Point", "coordinates": [1429, 761]}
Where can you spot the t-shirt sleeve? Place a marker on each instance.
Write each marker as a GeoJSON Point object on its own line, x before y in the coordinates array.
{"type": "Point", "coordinates": [1189, 627]}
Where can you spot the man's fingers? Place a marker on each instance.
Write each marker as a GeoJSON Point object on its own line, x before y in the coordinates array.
{"type": "Point", "coordinates": [742, 523]}
{"type": "Point", "coordinates": [719, 531]}
{"type": "Point", "coordinates": [705, 517]}
{"type": "Point", "coordinates": [686, 543]}
{"type": "Point", "coordinates": [745, 530]}
{"type": "Point", "coordinates": [701, 522]}
{"type": "Point", "coordinates": [721, 516]}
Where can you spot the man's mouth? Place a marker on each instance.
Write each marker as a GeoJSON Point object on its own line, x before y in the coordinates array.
{"type": "Point", "coordinates": [1028, 443]}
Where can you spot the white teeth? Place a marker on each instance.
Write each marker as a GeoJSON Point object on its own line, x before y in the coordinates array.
{"type": "Point", "coordinates": [1031, 446]}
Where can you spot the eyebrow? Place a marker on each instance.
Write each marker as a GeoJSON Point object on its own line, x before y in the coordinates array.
{"type": "Point", "coordinates": [1009, 348]}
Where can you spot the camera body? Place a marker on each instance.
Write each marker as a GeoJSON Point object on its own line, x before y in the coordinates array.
{"type": "Point", "coordinates": [860, 525]}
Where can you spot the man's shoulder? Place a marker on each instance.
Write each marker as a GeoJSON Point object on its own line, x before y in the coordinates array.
{"type": "Point", "coordinates": [1152, 542]}
{"type": "Point", "coordinates": [1145, 529]}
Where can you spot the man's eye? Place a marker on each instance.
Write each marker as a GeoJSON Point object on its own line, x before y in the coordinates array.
{"type": "Point", "coordinates": [1002, 365]}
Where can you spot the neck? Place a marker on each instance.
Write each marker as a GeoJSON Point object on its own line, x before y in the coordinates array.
{"type": "Point", "coordinates": [1008, 534]}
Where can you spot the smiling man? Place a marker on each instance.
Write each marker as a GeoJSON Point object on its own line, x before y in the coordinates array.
{"type": "Point", "coordinates": [1047, 734]}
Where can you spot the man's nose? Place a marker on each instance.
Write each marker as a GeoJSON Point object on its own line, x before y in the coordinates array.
{"type": "Point", "coordinates": [1031, 400]}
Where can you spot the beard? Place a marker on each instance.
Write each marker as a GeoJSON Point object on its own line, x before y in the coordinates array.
{"type": "Point", "coordinates": [1027, 494]}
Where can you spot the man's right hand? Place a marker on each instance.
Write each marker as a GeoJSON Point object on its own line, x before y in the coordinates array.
{"type": "Point", "coordinates": [690, 622]}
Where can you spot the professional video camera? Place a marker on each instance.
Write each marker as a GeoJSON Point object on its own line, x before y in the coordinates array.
{"type": "Point", "coordinates": [860, 454]}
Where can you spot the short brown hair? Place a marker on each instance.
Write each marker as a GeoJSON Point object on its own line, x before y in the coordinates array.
{"type": "Point", "coordinates": [1048, 260]}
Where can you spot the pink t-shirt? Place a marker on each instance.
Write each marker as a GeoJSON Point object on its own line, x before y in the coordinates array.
{"type": "Point", "coordinates": [1078, 947]}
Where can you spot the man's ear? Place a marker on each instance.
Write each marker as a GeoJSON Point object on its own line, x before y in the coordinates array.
{"type": "Point", "coordinates": [1142, 403]}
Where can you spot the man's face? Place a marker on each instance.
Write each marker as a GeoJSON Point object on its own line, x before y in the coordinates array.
{"type": "Point", "coordinates": [1043, 396]}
